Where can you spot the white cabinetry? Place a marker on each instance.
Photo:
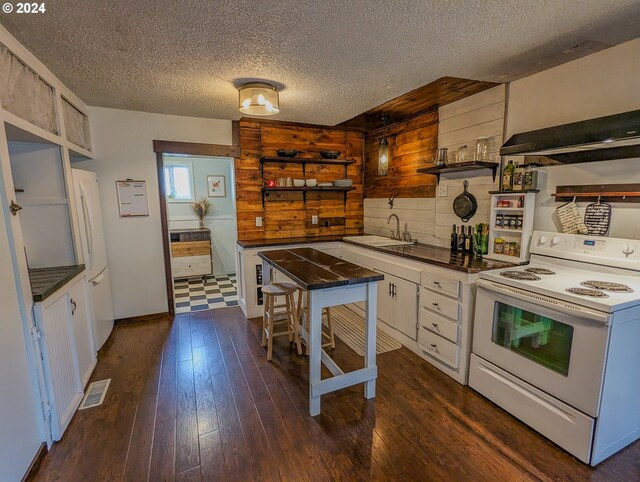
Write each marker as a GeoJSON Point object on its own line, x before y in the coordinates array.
{"type": "Point", "coordinates": [445, 320]}
{"type": "Point", "coordinates": [397, 304]}
{"type": "Point", "coordinates": [66, 341]}
{"type": "Point", "coordinates": [397, 293]}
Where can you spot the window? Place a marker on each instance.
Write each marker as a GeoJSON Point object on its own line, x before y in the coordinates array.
{"type": "Point", "coordinates": [178, 181]}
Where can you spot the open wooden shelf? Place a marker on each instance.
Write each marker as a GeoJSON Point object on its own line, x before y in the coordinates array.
{"type": "Point", "coordinates": [629, 193]}
{"type": "Point", "coordinates": [303, 161]}
{"type": "Point", "coordinates": [467, 166]}
{"type": "Point", "coordinates": [514, 192]}
{"type": "Point", "coordinates": [305, 190]}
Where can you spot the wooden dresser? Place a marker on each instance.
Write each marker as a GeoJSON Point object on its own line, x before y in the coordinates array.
{"type": "Point", "coordinates": [191, 253]}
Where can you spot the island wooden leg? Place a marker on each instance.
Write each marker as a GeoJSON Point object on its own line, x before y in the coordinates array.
{"type": "Point", "coordinates": [370, 338]}
{"type": "Point", "coordinates": [314, 313]}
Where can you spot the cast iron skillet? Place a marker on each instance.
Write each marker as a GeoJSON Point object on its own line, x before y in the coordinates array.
{"type": "Point", "coordinates": [465, 205]}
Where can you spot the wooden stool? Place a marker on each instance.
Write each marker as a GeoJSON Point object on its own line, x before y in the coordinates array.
{"type": "Point", "coordinates": [303, 320]}
{"type": "Point", "coordinates": [271, 319]}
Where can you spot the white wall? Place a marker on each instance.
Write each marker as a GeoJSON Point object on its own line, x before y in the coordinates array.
{"type": "Point", "coordinates": [123, 143]}
{"type": "Point", "coordinates": [222, 220]}
{"type": "Point", "coordinates": [604, 83]}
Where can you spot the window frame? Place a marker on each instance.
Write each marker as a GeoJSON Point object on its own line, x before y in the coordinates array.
{"type": "Point", "coordinates": [168, 165]}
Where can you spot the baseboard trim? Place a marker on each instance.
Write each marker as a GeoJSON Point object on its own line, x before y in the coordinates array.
{"type": "Point", "coordinates": [150, 317]}
{"type": "Point", "coordinates": [36, 463]}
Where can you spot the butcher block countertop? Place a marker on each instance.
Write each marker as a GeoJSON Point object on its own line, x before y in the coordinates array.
{"type": "Point", "coordinates": [46, 281]}
{"type": "Point", "coordinates": [312, 269]}
{"type": "Point", "coordinates": [265, 243]}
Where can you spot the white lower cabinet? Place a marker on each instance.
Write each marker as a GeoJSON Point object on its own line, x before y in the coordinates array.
{"type": "Point", "coordinates": [430, 308]}
{"type": "Point", "coordinates": [66, 341]}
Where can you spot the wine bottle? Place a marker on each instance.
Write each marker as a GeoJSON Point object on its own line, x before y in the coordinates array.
{"type": "Point", "coordinates": [461, 238]}
{"type": "Point", "coordinates": [467, 241]}
{"type": "Point", "coordinates": [454, 239]}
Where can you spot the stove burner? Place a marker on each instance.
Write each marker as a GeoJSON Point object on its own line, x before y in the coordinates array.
{"type": "Point", "coordinates": [521, 275]}
{"type": "Point", "coordinates": [539, 271]}
{"type": "Point", "coordinates": [587, 292]}
{"type": "Point", "coordinates": [607, 286]}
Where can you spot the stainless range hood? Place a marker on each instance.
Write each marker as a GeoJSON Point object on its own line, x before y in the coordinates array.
{"type": "Point", "coordinates": [612, 137]}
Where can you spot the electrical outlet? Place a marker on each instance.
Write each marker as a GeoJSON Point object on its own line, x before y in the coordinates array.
{"type": "Point", "coordinates": [314, 219]}
{"type": "Point", "coordinates": [258, 221]}
{"type": "Point", "coordinates": [443, 191]}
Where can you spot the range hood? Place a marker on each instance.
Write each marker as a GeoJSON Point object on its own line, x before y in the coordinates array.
{"type": "Point", "coordinates": [612, 137]}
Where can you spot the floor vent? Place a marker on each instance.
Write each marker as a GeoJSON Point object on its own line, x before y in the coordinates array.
{"type": "Point", "coordinates": [96, 392]}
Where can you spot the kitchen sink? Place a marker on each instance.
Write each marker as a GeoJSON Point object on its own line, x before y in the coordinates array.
{"type": "Point", "coordinates": [380, 241]}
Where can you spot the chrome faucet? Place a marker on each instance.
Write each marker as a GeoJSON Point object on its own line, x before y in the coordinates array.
{"type": "Point", "coordinates": [397, 234]}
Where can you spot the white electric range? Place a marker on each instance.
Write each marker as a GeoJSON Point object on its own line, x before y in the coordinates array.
{"type": "Point", "coordinates": [557, 342]}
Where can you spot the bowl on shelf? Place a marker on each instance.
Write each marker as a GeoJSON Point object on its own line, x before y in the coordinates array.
{"type": "Point", "coordinates": [343, 182]}
{"type": "Point", "coordinates": [329, 154]}
{"type": "Point", "coordinates": [325, 184]}
{"type": "Point", "coordinates": [298, 183]}
{"type": "Point", "coordinates": [287, 152]}
{"type": "Point", "coordinates": [312, 182]}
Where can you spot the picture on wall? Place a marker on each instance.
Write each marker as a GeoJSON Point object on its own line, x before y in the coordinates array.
{"type": "Point", "coordinates": [216, 186]}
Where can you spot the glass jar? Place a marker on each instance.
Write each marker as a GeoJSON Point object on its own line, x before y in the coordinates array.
{"type": "Point", "coordinates": [498, 246]}
{"type": "Point", "coordinates": [461, 154]}
{"type": "Point", "coordinates": [481, 151]}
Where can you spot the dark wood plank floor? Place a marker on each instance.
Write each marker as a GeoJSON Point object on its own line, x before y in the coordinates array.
{"type": "Point", "coordinates": [195, 399]}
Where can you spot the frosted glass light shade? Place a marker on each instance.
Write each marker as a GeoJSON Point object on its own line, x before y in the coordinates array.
{"type": "Point", "coordinates": [383, 157]}
{"type": "Point", "coordinates": [258, 98]}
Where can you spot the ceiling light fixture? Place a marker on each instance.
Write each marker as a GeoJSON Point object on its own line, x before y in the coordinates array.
{"type": "Point", "coordinates": [383, 151]}
{"type": "Point", "coordinates": [258, 98]}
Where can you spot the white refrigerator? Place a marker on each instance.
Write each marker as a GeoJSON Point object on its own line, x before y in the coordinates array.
{"type": "Point", "coordinates": [94, 252]}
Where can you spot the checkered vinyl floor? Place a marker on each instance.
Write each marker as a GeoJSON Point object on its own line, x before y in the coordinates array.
{"type": "Point", "coordinates": [194, 295]}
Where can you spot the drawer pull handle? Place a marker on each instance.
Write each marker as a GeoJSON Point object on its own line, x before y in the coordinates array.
{"type": "Point", "coordinates": [436, 283]}
{"type": "Point", "coordinates": [435, 325]}
{"type": "Point", "coordinates": [434, 345]}
{"type": "Point", "coordinates": [434, 304]}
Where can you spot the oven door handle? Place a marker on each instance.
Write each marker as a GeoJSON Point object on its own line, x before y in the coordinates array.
{"type": "Point", "coordinates": [558, 305]}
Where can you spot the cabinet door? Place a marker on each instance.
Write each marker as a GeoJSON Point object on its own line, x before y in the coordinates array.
{"type": "Point", "coordinates": [385, 300]}
{"type": "Point", "coordinates": [82, 326]}
{"type": "Point", "coordinates": [406, 307]}
{"type": "Point", "coordinates": [61, 363]}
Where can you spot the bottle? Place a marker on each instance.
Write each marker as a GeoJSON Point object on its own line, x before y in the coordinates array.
{"type": "Point", "coordinates": [454, 239]}
{"type": "Point", "coordinates": [507, 176]}
{"type": "Point", "coordinates": [467, 241]}
{"type": "Point", "coordinates": [461, 239]}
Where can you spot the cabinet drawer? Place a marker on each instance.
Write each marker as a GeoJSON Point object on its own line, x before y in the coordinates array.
{"type": "Point", "coordinates": [429, 321]}
{"type": "Point", "coordinates": [440, 284]}
{"type": "Point", "coordinates": [437, 347]}
{"type": "Point", "coordinates": [438, 304]}
{"type": "Point", "coordinates": [190, 248]}
{"type": "Point", "coordinates": [191, 266]}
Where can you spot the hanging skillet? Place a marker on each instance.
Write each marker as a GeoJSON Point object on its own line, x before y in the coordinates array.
{"type": "Point", "coordinates": [465, 205]}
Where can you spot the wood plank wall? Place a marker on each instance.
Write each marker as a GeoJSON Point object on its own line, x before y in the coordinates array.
{"type": "Point", "coordinates": [413, 144]}
{"type": "Point", "coordinates": [285, 214]}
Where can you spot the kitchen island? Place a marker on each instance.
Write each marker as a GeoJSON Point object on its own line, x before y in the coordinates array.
{"type": "Point", "coordinates": [330, 281]}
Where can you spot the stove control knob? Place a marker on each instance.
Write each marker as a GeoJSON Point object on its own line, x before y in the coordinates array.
{"type": "Point", "coordinates": [555, 240]}
{"type": "Point", "coordinates": [542, 240]}
{"type": "Point", "coordinates": [628, 249]}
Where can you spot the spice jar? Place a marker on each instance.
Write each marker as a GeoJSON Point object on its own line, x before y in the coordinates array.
{"type": "Point", "coordinates": [498, 245]}
{"type": "Point", "coordinates": [506, 249]}
{"type": "Point", "coordinates": [499, 220]}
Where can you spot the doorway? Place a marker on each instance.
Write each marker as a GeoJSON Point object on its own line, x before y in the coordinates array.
{"type": "Point", "coordinates": [202, 248]}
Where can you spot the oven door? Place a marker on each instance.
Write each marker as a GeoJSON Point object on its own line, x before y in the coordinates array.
{"type": "Point", "coordinates": [555, 346]}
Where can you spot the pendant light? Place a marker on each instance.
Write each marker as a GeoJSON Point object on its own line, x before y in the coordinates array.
{"type": "Point", "coordinates": [383, 151]}
{"type": "Point", "coordinates": [258, 98]}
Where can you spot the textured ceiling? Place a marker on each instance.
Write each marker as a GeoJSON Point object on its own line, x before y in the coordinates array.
{"type": "Point", "coordinates": [335, 59]}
